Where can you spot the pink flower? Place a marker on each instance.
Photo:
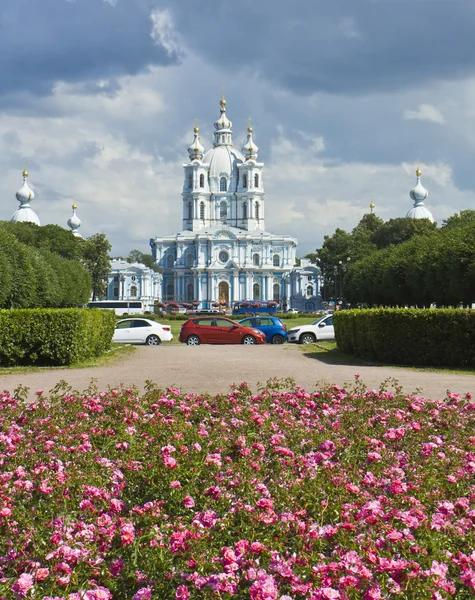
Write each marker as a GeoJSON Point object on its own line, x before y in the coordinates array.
{"type": "Point", "coordinates": [169, 461]}
{"type": "Point", "coordinates": [188, 502]}
{"type": "Point", "coordinates": [264, 588]}
{"type": "Point", "coordinates": [127, 533]}
{"type": "Point", "coordinates": [182, 593]}
{"type": "Point", "coordinates": [42, 574]}
{"type": "Point", "coordinates": [22, 585]}
{"type": "Point", "coordinates": [144, 593]}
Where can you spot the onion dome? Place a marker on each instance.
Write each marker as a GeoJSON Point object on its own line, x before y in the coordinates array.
{"type": "Point", "coordinates": [419, 194]}
{"type": "Point", "coordinates": [250, 149]}
{"type": "Point", "coordinates": [24, 196]}
{"type": "Point", "coordinates": [74, 223]}
{"type": "Point", "coordinates": [196, 150]}
{"type": "Point", "coordinates": [223, 133]}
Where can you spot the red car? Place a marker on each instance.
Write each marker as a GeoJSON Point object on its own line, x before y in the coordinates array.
{"type": "Point", "coordinates": [218, 330]}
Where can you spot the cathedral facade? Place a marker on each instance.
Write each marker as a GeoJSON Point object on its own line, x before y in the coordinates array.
{"type": "Point", "coordinates": [224, 253]}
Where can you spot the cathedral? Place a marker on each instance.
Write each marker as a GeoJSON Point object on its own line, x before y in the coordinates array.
{"type": "Point", "coordinates": [224, 253]}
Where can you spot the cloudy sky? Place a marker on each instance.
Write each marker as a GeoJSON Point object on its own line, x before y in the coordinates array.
{"type": "Point", "coordinates": [100, 98]}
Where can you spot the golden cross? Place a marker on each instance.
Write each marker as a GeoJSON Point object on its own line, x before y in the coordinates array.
{"type": "Point", "coordinates": [223, 89]}
{"type": "Point", "coordinates": [249, 121]}
{"type": "Point", "coordinates": [196, 122]}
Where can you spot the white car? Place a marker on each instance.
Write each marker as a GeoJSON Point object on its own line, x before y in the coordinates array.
{"type": "Point", "coordinates": [141, 331]}
{"type": "Point", "coordinates": [292, 310]}
{"type": "Point", "coordinates": [321, 329]}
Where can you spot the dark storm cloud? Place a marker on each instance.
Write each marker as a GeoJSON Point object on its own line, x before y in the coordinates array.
{"type": "Point", "coordinates": [337, 46]}
{"type": "Point", "coordinates": [43, 41]}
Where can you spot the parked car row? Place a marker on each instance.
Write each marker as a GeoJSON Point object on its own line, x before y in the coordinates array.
{"type": "Point", "coordinates": [216, 329]}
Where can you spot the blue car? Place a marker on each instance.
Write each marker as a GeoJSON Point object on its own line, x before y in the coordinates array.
{"type": "Point", "coordinates": [272, 327]}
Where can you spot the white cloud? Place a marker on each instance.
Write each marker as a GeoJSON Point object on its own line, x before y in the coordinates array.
{"type": "Point", "coordinates": [111, 2]}
{"type": "Point", "coordinates": [163, 31]}
{"type": "Point", "coordinates": [425, 112]}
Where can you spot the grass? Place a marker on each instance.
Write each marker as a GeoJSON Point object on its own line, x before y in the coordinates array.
{"type": "Point", "coordinates": [117, 352]}
{"type": "Point", "coordinates": [328, 353]}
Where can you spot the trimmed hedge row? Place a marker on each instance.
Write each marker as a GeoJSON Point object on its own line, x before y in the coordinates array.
{"type": "Point", "coordinates": [52, 336]}
{"type": "Point", "coordinates": [419, 337]}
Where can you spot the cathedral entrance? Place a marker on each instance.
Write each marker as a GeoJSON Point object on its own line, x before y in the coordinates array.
{"type": "Point", "coordinates": [223, 292]}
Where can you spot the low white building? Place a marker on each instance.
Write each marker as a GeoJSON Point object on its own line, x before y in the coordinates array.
{"type": "Point", "coordinates": [133, 281]}
{"type": "Point", "coordinates": [305, 287]}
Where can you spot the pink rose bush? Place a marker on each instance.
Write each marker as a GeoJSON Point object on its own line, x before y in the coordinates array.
{"type": "Point", "coordinates": [338, 494]}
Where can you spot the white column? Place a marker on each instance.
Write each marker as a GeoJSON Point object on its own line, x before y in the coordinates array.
{"type": "Point", "coordinates": [235, 293]}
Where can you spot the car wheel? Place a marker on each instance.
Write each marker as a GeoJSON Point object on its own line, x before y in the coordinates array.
{"type": "Point", "coordinates": [307, 338]}
{"type": "Point", "coordinates": [278, 339]}
{"type": "Point", "coordinates": [248, 340]}
{"type": "Point", "coordinates": [193, 340]}
{"type": "Point", "coordinates": [153, 340]}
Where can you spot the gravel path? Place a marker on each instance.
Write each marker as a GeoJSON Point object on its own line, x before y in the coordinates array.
{"type": "Point", "coordinates": [212, 369]}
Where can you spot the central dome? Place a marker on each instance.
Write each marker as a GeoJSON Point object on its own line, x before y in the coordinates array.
{"type": "Point", "coordinates": [223, 161]}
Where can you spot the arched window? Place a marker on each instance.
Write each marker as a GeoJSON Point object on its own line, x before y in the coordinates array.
{"type": "Point", "coordinates": [202, 211]}
{"type": "Point", "coordinates": [244, 210]}
{"type": "Point", "coordinates": [256, 180]}
{"type": "Point", "coordinates": [170, 290]}
{"type": "Point", "coordinates": [202, 180]}
{"type": "Point", "coordinates": [189, 259]}
{"type": "Point", "coordinates": [222, 184]}
{"type": "Point", "coordinates": [190, 181]}
{"type": "Point", "coordinates": [244, 181]}
{"type": "Point", "coordinates": [189, 292]}
{"type": "Point", "coordinates": [190, 211]}
{"type": "Point", "coordinates": [255, 260]}
{"type": "Point", "coordinates": [256, 210]}
{"type": "Point", "coordinates": [223, 211]}
{"type": "Point", "coordinates": [276, 260]}
{"type": "Point", "coordinates": [276, 292]}
{"type": "Point", "coordinates": [133, 291]}
{"type": "Point", "coordinates": [256, 292]}
{"type": "Point", "coordinates": [310, 290]}
{"type": "Point", "coordinates": [170, 259]}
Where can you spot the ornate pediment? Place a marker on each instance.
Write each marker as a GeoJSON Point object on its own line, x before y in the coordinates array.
{"type": "Point", "coordinates": [224, 233]}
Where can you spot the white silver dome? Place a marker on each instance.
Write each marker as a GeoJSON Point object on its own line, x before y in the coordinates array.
{"type": "Point", "coordinates": [419, 194]}
{"type": "Point", "coordinates": [25, 214]}
{"type": "Point", "coordinates": [224, 161]}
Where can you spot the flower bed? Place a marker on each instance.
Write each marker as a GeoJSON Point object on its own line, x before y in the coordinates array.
{"type": "Point", "coordinates": [283, 495]}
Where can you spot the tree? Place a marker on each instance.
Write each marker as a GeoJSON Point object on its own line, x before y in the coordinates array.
{"type": "Point", "coordinates": [335, 248]}
{"type": "Point", "coordinates": [96, 260]}
{"type": "Point", "coordinates": [459, 220]}
{"type": "Point", "coordinates": [141, 257]}
{"type": "Point", "coordinates": [312, 257]}
{"type": "Point", "coordinates": [397, 231]}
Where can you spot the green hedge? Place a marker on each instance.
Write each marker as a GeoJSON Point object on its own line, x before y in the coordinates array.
{"type": "Point", "coordinates": [419, 337]}
{"type": "Point", "coordinates": [53, 336]}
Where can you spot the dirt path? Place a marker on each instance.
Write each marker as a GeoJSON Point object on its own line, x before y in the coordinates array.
{"type": "Point", "coordinates": [212, 369]}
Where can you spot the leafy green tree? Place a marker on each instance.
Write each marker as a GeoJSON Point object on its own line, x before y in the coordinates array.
{"type": "Point", "coordinates": [312, 257]}
{"type": "Point", "coordinates": [335, 248]}
{"type": "Point", "coordinates": [96, 260]}
{"type": "Point", "coordinates": [145, 259]}
{"type": "Point", "coordinates": [397, 231]}
{"type": "Point", "coordinates": [459, 220]}
{"type": "Point", "coordinates": [48, 237]}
